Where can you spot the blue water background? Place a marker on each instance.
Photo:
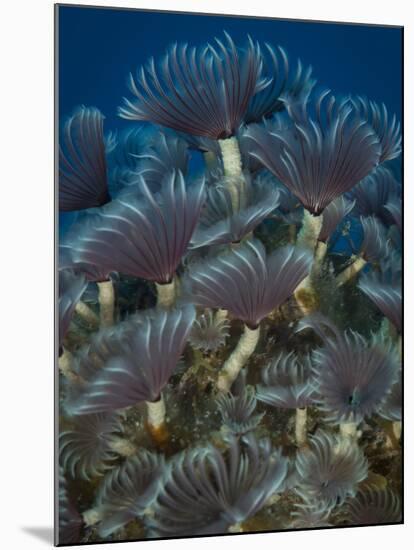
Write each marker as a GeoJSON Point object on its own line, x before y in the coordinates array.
{"type": "Point", "coordinates": [99, 47]}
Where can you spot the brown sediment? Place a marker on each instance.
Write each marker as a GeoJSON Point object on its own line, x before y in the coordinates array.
{"type": "Point", "coordinates": [159, 434]}
{"type": "Point", "coordinates": [156, 423]}
{"type": "Point", "coordinates": [301, 427]}
{"type": "Point", "coordinates": [392, 432]}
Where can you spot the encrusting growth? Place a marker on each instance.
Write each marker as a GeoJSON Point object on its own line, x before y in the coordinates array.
{"type": "Point", "coordinates": [231, 156]}
{"type": "Point", "coordinates": [309, 232]}
{"type": "Point", "coordinates": [300, 427]}
{"type": "Point", "coordinates": [165, 294]}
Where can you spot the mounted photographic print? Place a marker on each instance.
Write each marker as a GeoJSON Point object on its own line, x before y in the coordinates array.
{"type": "Point", "coordinates": [229, 265]}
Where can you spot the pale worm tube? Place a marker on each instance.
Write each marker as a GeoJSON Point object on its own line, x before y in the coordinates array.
{"type": "Point", "coordinates": [351, 271]}
{"type": "Point", "coordinates": [235, 528]}
{"type": "Point", "coordinates": [397, 429]}
{"type": "Point", "coordinates": [300, 427]}
{"type": "Point", "coordinates": [165, 294]}
{"type": "Point", "coordinates": [221, 315]}
{"type": "Point", "coordinates": [239, 357]}
{"type": "Point", "coordinates": [348, 429]}
{"type": "Point", "coordinates": [122, 446]}
{"type": "Point", "coordinates": [232, 163]}
{"type": "Point", "coordinates": [230, 153]}
{"type": "Point", "coordinates": [65, 365]}
{"type": "Point", "coordinates": [92, 516]}
{"type": "Point", "coordinates": [320, 255]}
{"type": "Point", "coordinates": [87, 314]}
{"type": "Point", "coordinates": [156, 420]}
{"type": "Point", "coordinates": [106, 297]}
{"type": "Point", "coordinates": [95, 515]}
{"type": "Point", "coordinates": [306, 296]}
{"type": "Point", "coordinates": [310, 230]}
{"type": "Point", "coordinates": [393, 434]}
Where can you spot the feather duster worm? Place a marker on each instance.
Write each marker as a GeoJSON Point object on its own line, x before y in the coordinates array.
{"type": "Point", "coordinates": [330, 470]}
{"type": "Point", "coordinates": [127, 492]}
{"type": "Point", "coordinates": [208, 491]}
{"type": "Point", "coordinates": [374, 248]}
{"type": "Point", "coordinates": [317, 157]}
{"type": "Point", "coordinates": [353, 376]}
{"type": "Point", "coordinates": [283, 82]}
{"type": "Point", "coordinates": [96, 273]}
{"type": "Point", "coordinates": [384, 289]}
{"type": "Point", "coordinates": [210, 150]}
{"type": "Point", "coordinates": [71, 288]}
{"type": "Point", "coordinates": [374, 192]}
{"type": "Point", "coordinates": [146, 237]}
{"type": "Point", "coordinates": [373, 506]}
{"type": "Point", "coordinates": [70, 521]}
{"type": "Point", "coordinates": [167, 153]}
{"type": "Point", "coordinates": [386, 128]}
{"type": "Point", "coordinates": [204, 92]}
{"type": "Point", "coordinates": [290, 210]}
{"type": "Point", "coordinates": [311, 515]}
{"type": "Point", "coordinates": [92, 445]}
{"type": "Point", "coordinates": [333, 215]}
{"type": "Point", "coordinates": [374, 245]}
{"type": "Point", "coordinates": [123, 163]}
{"type": "Point", "coordinates": [394, 207]}
{"type": "Point", "coordinates": [83, 181]}
{"type": "Point", "coordinates": [209, 332]}
{"type": "Point", "coordinates": [234, 210]}
{"type": "Point", "coordinates": [395, 231]}
{"type": "Point", "coordinates": [391, 410]}
{"type": "Point", "coordinates": [249, 284]}
{"type": "Point", "coordinates": [237, 409]}
{"type": "Point", "coordinates": [287, 383]}
{"type": "Point", "coordinates": [137, 360]}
